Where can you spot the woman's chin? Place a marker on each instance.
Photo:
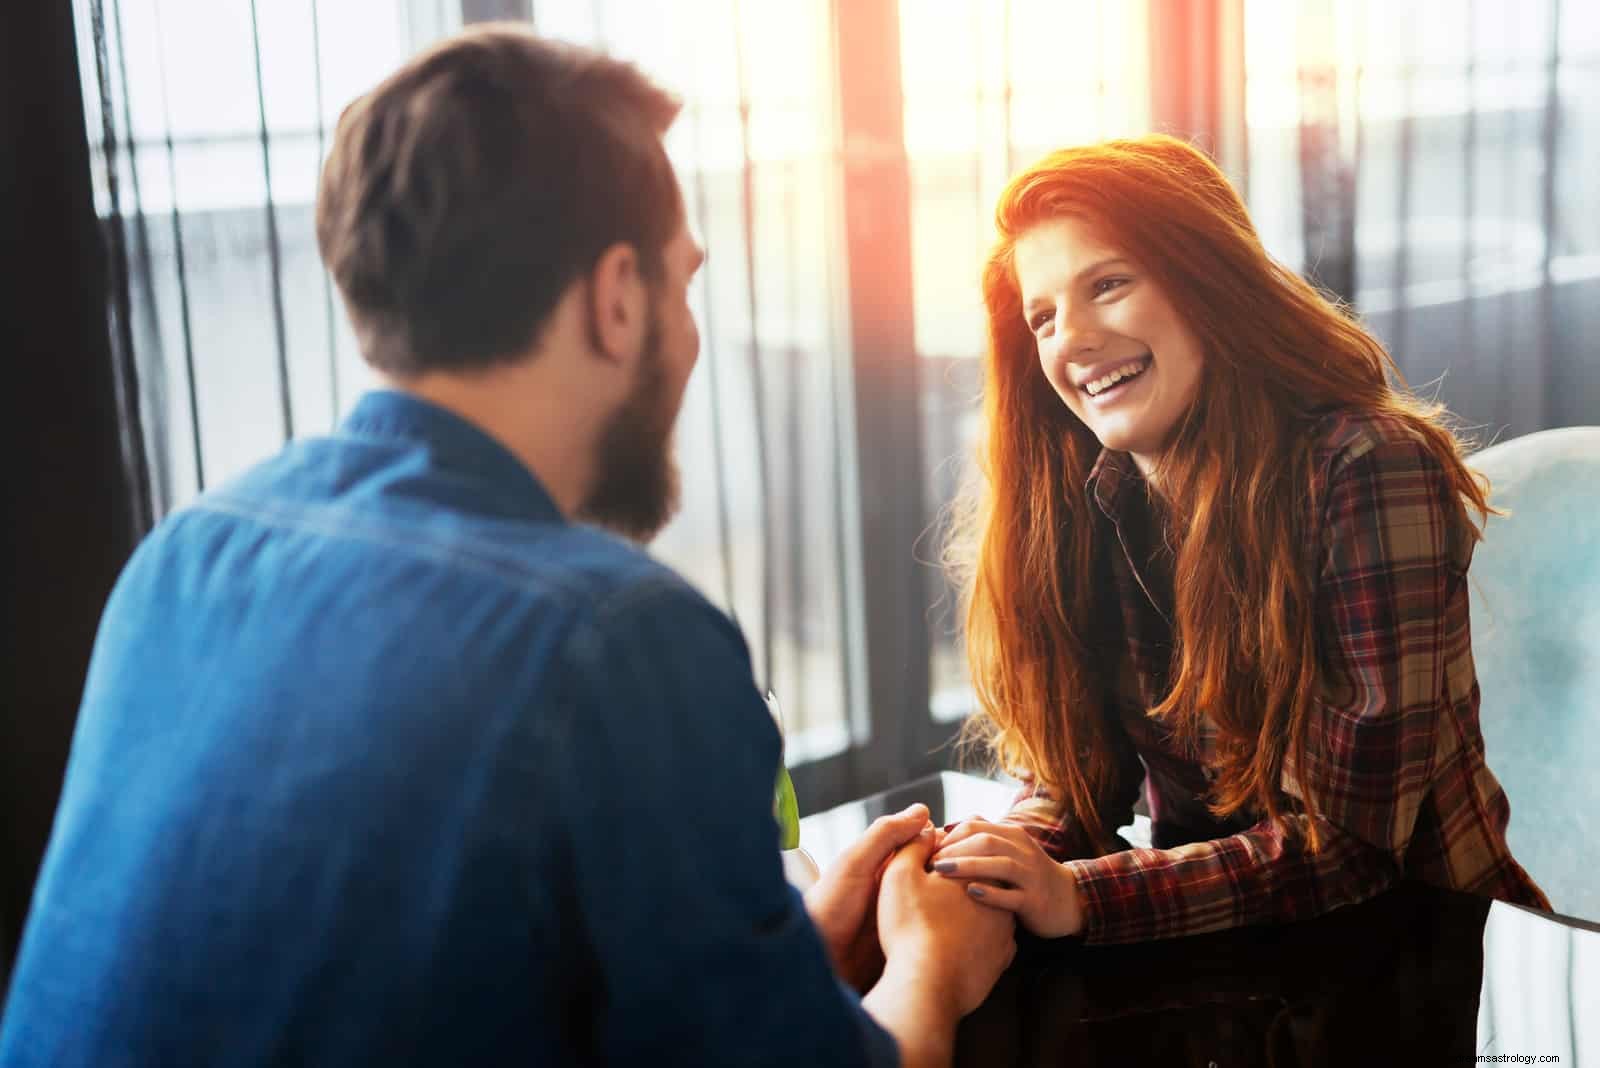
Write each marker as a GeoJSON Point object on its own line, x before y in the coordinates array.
{"type": "Point", "coordinates": [1117, 436]}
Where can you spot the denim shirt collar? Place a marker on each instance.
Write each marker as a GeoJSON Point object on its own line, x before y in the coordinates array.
{"type": "Point", "coordinates": [454, 446]}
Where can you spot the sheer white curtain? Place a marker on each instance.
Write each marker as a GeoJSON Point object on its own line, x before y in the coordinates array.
{"type": "Point", "coordinates": [210, 119]}
{"type": "Point", "coordinates": [1471, 129]}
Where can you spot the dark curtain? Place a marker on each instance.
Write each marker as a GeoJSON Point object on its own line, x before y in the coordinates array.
{"type": "Point", "coordinates": [73, 506]}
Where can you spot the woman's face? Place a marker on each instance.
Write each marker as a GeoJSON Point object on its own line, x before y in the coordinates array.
{"type": "Point", "coordinates": [1110, 342]}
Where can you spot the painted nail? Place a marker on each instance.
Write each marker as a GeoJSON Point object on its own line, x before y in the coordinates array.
{"type": "Point", "coordinates": [944, 867]}
{"type": "Point", "coordinates": [974, 889]}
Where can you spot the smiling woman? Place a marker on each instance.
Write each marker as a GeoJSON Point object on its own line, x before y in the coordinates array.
{"type": "Point", "coordinates": [1111, 344]}
{"type": "Point", "coordinates": [1219, 554]}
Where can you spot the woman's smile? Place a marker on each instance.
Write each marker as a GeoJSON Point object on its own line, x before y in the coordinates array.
{"type": "Point", "coordinates": [1105, 388]}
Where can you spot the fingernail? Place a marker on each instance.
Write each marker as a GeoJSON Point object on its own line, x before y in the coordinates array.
{"type": "Point", "coordinates": [974, 889]}
{"type": "Point", "coordinates": [944, 867]}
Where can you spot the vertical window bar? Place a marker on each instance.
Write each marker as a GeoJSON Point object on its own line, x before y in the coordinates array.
{"type": "Point", "coordinates": [327, 282]}
{"type": "Point", "coordinates": [1402, 258]}
{"type": "Point", "coordinates": [151, 378]}
{"type": "Point", "coordinates": [1327, 208]}
{"type": "Point", "coordinates": [850, 624]}
{"type": "Point", "coordinates": [274, 249]}
{"type": "Point", "coordinates": [797, 455]}
{"type": "Point", "coordinates": [179, 263]}
{"type": "Point", "coordinates": [124, 372]}
{"type": "Point", "coordinates": [1357, 149]}
{"type": "Point", "coordinates": [1542, 379]}
{"type": "Point", "coordinates": [886, 398]}
{"type": "Point", "coordinates": [1509, 206]}
{"type": "Point", "coordinates": [1469, 158]}
{"type": "Point", "coordinates": [757, 383]}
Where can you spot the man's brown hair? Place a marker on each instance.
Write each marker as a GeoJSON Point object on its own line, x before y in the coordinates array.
{"type": "Point", "coordinates": [464, 194]}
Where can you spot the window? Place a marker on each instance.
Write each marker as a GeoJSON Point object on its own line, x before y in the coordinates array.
{"type": "Point", "coordinates": [1464, 134]}
{"type": "Point", "coordinates": [989, 88]}
{"type": "Point", "coordinates": [841, 162]}
{"type": "Point", "coordinates": [214, 117]}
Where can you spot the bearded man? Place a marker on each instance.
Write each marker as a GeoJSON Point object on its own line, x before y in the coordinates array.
{"type": "Point", "coordinates": [389, 753]}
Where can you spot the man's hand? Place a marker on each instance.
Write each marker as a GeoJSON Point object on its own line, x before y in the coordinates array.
{"type": "Point", "coordinates": [843, 903]}
{"type": "Point", "coordinates": [931, 923]}
{"type": "Point", "coordinates": [945, 952]}
{"type": "Point", "coordinates": [1004, 867]}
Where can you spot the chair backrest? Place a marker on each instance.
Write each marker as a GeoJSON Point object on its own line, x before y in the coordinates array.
{"type": "Point", "coordinates": [1535, 583]}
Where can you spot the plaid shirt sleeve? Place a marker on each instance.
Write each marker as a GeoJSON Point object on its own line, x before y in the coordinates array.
{"type": "Point", "coordinates": [1392, 620]}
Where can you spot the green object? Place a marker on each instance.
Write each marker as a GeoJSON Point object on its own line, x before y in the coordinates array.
{"type": "Point", "coordinates": [786, 810]}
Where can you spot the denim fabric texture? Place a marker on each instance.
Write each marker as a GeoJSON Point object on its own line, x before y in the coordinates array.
{"type": "Point", "coordinates": [382, 761]}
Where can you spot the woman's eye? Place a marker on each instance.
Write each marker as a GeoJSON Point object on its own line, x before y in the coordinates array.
{"type": "Point", "coordinates": [1040, 321]}
{"type": "Point", "coordinates": [1106, 285]}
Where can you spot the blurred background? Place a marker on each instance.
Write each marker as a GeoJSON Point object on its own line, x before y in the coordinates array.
{"type": "Point", "coordinates": [1431, 162]}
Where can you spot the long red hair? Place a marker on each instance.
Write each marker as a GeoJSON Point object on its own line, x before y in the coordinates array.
{"type": "Point", "coordinates": [1232, 486]}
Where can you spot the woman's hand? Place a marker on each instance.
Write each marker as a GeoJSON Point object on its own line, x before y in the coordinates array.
{"type": "Point", "coordinates": [1005, 868]}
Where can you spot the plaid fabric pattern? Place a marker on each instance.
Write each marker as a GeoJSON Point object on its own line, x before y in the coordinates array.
{"type": "Point", "coordinates": [1395, 756]}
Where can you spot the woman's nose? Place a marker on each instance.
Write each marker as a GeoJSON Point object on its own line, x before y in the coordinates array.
{"type": "Point", "coordinates": [1078, 336]}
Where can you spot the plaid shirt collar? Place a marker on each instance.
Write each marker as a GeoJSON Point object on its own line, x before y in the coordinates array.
{"type": "Point", "coordinates": [1107, 478]}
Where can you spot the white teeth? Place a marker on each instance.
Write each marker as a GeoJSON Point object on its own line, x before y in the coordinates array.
{"type": "Point", "coordinates": [1100, 385]}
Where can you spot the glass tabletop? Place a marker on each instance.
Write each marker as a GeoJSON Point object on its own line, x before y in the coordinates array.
{"type": "Point", "coordinates": [1418, 975]}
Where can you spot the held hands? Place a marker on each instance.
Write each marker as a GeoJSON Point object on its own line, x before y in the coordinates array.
{"type": "Point", "coordinates": [936, 938]}
{"type": "Point", "coordinates": [1002, 866]}
{"type": "Point", "coordinates": [843, 902]}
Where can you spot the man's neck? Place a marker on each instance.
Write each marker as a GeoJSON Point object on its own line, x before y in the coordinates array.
{"type": "Point", "coordinates": [531, 418]}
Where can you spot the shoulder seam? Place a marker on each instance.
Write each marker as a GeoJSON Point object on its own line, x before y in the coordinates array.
{"type": "Point", "coordinates": [479, 562]}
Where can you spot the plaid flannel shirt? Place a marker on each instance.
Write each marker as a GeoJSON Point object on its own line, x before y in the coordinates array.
{"type": "Point", "coordinates": [1395, 756]}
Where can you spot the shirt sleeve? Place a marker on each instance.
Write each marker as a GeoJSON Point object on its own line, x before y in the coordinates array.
{"type": "Point", "coordinates": [704, 953]}
{"type": "Point", "coordinates": [1384, 635]}
{"type": "Point", "coordinates": [1038, 811]}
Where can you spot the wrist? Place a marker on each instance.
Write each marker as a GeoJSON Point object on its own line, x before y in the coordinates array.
{"type": "Point", "coordinates": [919, 1005]}
{"type": "Point", "coordinates": [823, 907]}
{"type": "Point", "coordinates": [931, 982]}
{"type": "Point", "coordinates": [1073, 919]}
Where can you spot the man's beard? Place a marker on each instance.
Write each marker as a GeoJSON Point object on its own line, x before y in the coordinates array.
{"type": "Point", "coordinates": [636, 480]}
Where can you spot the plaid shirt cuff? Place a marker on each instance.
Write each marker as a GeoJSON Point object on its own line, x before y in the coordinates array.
{"type": "Point", "coordinates": [1253, 877]}
{"type": "Point", "coordinates": [1117, 904]}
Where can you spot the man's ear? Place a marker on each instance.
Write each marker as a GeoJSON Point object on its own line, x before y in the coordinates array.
{"type": "Point", "coordinates": [618, 304]}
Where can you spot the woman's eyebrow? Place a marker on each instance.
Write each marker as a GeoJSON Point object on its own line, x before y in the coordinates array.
{"type": "Point", "coordinates": [1099, 265]}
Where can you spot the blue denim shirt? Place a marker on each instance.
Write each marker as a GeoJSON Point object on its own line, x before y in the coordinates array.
{"type": "Point", "coordinates": [381, 761]}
